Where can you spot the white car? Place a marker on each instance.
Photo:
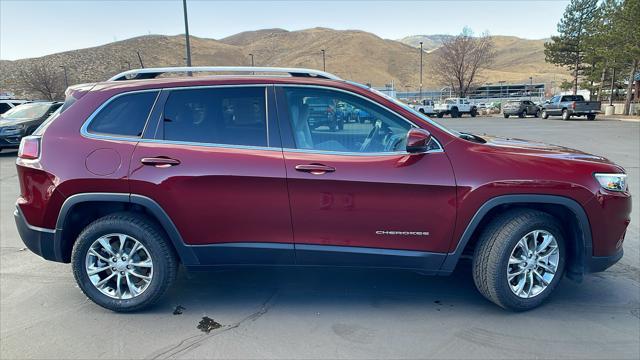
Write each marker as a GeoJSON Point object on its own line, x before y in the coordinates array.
{"type": "Point", "coordinates": [8, 102]}
{"type": "Point", "coordinates": [456, 107]}
{"type": "Point", "coordinates": [426, 107]}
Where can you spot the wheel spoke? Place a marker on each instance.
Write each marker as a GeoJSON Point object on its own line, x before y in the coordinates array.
{"type": "Point", "coordinates": [530, 281]}
{"type": "Point", "coordinates": [546, 240]}
{"type": "Point", "coordinates": [118, 287]}
{"type": "Point", "coordinates": [523, 244]}
{"type": "Point", "coordinates": [97, 254]}
{"type": "Point", "coordinates": [93, 271]}
{"type": "Point", "coordinates": [104, 281]}
{"type": "Point", "coordinates": [139, 275]}
{"type": "Point", "coordinates": [542, 279]}
{"type": "Point", "coordinates": [515, 261]}
{"type": "Point", "coordinates": [520, 285]}
{"type": "Point", "coordinates": [135, 248]}
{"type": "Point", "coordinates": [145, 264]}
{"type": "Point", "coordinates": [512, 275]}
{"type": "Point", "coordinates": [132, 288]}
{"type": "Point", "coordinates": [106, 246]}
{"type": "Point", "coordinates": [546, 267]}
{"type": "Point", "coordinates": [123, 240]}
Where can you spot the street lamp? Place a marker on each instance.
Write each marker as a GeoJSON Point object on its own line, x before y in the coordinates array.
{"type": "Point", "coordinates": [324, 64]}
{"type": "Point", "coordinates": [66, 79]}
{"type": "Point", "coordinates": [530, 86]}
{"type": "Point", "coordinates": [420, 70]}
{"type": "Point", "coordinates": [252, 64]}
{"type": "Point", "coordinates": [140, 58]}
{"type": "Point", "coordinates": [186, 34]}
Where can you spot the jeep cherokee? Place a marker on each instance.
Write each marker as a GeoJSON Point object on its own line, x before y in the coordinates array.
{"type": "Point", "coordinates": [136, 175]}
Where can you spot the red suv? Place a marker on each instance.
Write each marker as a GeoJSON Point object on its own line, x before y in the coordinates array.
{"type": "Point", "coordinates": [136, 175]}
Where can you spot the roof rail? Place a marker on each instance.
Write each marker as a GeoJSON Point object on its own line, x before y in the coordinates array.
{"type": "Point", "coordinates": [151, 73]}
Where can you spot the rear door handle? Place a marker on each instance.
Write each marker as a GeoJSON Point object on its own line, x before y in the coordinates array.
{"type": "Point", "coordinates": [315, 169]}
{"type": "Point", "coordinates": [160, 161]}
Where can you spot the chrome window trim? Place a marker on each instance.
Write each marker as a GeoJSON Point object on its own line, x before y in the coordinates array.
{"type": "Point", "coordinates": [86, 134]}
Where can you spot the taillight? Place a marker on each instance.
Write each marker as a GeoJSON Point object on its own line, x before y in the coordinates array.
{"type": "Point", "coordinates": [573, 105]}
{"type": "Point", "coordinates": [29, 147]}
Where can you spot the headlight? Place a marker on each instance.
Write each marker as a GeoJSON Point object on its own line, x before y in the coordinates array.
{"type": "Point", "coordinates": [612, 182]}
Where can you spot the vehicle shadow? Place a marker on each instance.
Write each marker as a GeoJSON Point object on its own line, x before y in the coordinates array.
{"type": "Point", "coordinates": [8, 153]}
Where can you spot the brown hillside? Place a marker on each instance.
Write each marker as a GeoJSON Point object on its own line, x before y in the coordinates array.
{"type": "Point", "coordinates": [351, 54]}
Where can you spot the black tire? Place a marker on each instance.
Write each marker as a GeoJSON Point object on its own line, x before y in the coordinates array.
{"type": "Point", "coordinates": [544, 114]}
{"type": "Point", "coordinates": [506, 116]}
{"type": "Point", "coordinates": [492, 252]}
{"type": "Point", "coordinates": [145, 231]}
{"type": "Point", "coordinates": [455, 113]}
{"type": "Point", "coordinates": [523, 114]}
{"type": "Point", "coordinates": [591, 117]}
{"type": "Point", "coordinates": [473, 113]}
{"type": "Point", "coordinates": [565, 115]}
{"type": "Point", "coordinates": [440, 114]}
{"type": "Point", "coordinates": [422, 111]}
{"type": "Point", "coordinates": [537, 114]}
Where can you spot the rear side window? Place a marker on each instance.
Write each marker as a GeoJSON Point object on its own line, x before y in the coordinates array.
{"type": "Point", "coordinates": [125, 115]}
{"type": "Point", "coordinates": [232, 116]}
{"type": "Point", "coordinates": [4, 107]}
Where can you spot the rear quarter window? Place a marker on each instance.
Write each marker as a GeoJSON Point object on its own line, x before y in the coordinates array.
{"type": "Point", "coordinates": [125, 115]}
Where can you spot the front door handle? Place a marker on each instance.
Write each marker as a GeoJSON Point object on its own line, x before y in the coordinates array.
{"type": "Point", "coordinates": [315, 169]}
{"type": "Point", "coordinates": [160, 161]}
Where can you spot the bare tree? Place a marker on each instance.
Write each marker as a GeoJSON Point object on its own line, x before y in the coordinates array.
{"type": "Point", "coordinates": [461, 58]}
{"type": "Point", "coordinates": [40, 78]}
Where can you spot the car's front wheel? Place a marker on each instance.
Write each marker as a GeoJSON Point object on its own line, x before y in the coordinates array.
{"type": "Point", "coordinates": [544, 114]}
{"type": "Point", "coordinates": [519, 259]}
{"type": "Point", "coordinates": [566, 115]}
{"type": "Point", "coordinates": [123, 262]}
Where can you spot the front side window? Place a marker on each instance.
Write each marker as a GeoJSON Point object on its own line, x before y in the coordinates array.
{"type": "Point", "coordinates": [125, 115]}
{"type": "Point", "coordinates": [232, 116]}
{"type": "Point", "coordinates": [329, 120]}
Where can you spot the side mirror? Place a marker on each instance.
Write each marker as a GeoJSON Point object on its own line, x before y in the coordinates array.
{"type": "Point", "coordinates": [417, 141]}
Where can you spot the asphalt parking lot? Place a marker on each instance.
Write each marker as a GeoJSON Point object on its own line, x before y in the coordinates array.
{"type": "Point", "coordinates": [321, 313]}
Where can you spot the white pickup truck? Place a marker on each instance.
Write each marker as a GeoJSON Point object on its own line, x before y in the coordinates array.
{"type": "Point", "coordinates": [426, 107]}
{"type": "Point", "coordinates": [455, 107]}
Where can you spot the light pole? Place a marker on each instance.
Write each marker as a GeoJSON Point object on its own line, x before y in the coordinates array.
{"type": "Point", "coordinates": [501, 82]}
{"type": "Point", "coordinates": [252, 64]}
{"type": "Point", "coordinates": [186, 34]}
{"type": "Point", "coordinates": [140, 59]}
{"type": "Point", "coordinates": [420, 70]}
{"type": "Point", "coordinates": [530, 86]}
{"type": "Point", "coordinates": [66, 79]}
{"type": "Point", "coordinates": [324, 64]}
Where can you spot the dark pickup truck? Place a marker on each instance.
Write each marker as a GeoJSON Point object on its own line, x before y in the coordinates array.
{"type": "Point", "coordinates": [570, 105]}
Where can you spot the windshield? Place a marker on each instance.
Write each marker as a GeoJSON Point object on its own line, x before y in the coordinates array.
{"type": "Point", "coordinates": [410, 109]}
{"type": "Point", "coordinates": [27, 111]}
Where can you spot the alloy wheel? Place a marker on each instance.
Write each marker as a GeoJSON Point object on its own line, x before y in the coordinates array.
{"type": "Point", "coordinates": [533, 264]}
{"type": "Point", "coordinates": [119, 266]}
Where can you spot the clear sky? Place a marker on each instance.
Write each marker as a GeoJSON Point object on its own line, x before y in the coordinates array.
{"type": "Point", "coordinates": [36, 28]}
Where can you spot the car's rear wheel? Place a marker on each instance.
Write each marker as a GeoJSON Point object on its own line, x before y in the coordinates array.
{"type": "Point", "coordinates": [591, 117]}
{"type": "Point", "coordinates": [440, 114]}
{"type": "Point", "coordinates": [455, 113]}
{"type": "Point", "coordinates": [565, 114]}
{"type": "Point", "coordinates": [537, 114]}
{"type": "Point", "coordinates": [473, 112]}
{"type": "Point", "coordinates": [519, 259]}
{"type": "Point", "coordinates": [123, 262]}
{"type": "Point", "coordinates": [522, 114]}
{"type": "Point", "coordinates": [506, 116]}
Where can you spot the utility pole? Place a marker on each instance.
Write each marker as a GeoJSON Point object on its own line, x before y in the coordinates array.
{"type": "Point", "coordinates": [420, 70]}
{"type": "Point", "coordinates": [140, 58]}
{"type": "Point", "coordinates": [186, 34]}
{"type": "Point", "coordinates": [66, 79]}
{"type": "Point", "coordinates": [324, 64]}
{"type": "Point", "coordinates": [531, 87]}
{"type": "Point", "coordinates": [252, 63]}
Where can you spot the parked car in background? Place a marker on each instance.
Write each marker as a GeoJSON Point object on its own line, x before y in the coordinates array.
{"type": "Point", "coordinates": [132, 178]}
{"type": "Point", "coordinates": [455, 107]}
{"type": "Point", "coordinates": [570, 105]}
{"type": "Point", "coordinates": [22, 120]}
{"type": "Point", "coordinates": [7, 104]}
{"type": "Point", "coordinates": [345, 112]}
{"type": "Point", "coordinates": [322, 112]}
{"type": "Point", "coordinates": [520, 108]}
{"type": "Point", "coordinates": [362, 115]}
{"type": "Point", "coordinates": [426, 107]}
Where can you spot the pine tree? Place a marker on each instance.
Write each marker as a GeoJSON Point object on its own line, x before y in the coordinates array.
{"type": "Point", "coordinates": [569, 48]}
